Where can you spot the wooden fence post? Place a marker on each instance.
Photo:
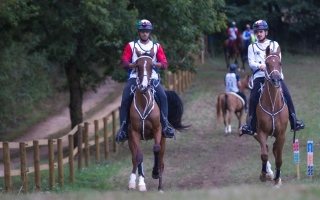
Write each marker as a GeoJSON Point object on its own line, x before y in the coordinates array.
{"type": "Point", "coordinates": [36, 158]}
{"type": "Point", "coordinates": [60, 163]}
{"type": "Point", "coordinates": [114, 131]}
{"type": "Point", "coordinates": [106, 138]}
{"type": "Point", "coordinates": [7, 174]}
{"type": "Point", "coordinates": [96, 140]}
{"type": "Point", "coordinates": [51, 163]}
{"type": "Point", "coordinates": [86, 144]}
{"type": "Point", "coordinates": [71, 158]}
{"type": "Point", "coordinates": [80, 133]}
{"type": "Point", "coordinates": [23, 166]}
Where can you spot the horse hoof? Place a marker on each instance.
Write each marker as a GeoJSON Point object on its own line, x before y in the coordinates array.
{"type": "Point", "coordinates": [269, 176]}
{"type": "Point", "coordinates": [155, 176]}
{"type": "Point", "coordinates": [277, 183]}
{"type": "Point", "coordinates": [142, 188]}
{"type": "Point", "coordinates": [161, 191]}
{"type": "Point", "coordinates": [263, 177]}
{"type": "Point", "coordinates": [132, 186]}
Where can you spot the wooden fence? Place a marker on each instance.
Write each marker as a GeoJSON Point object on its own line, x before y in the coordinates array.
{"type": "Point", "coordinates": [56, 153]}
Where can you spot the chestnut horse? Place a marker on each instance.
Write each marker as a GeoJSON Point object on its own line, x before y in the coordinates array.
{"type": "Point", "coordinates": [236, 50]}
{"type": "Point", "coordinates": [229, 103]}
{"type": "Point", "coordinates": [272, 117]}
{"type": "Point", "coordinates": [145, 121]}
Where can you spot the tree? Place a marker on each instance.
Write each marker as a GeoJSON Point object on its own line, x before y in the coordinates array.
{"type": "Point", "coordinates": [78, 35]}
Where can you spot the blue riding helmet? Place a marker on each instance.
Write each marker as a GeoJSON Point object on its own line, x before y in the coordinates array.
{"type": "Point", "coordinates": [144, 25]}
{"type": "Point", "coordinates": [260, 25]}
{"type": "Point", "coordinates": [233, 67]}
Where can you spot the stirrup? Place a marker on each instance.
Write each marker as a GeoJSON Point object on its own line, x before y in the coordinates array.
{"type": "Point", "coordinates": [299, 125]}
{"type": "Point", "coordinates": [122, 136]}
{"type": "Point", "coordinates": [168, 132]}
{"type": "Point", "coordinates": [246, 129]}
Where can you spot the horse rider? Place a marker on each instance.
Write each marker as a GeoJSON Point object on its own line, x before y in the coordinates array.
{"type": "Point", "coordinates": [256, 59]}
{"type": "Point", "coordinates": [144, 45]}
{"type": "Point", "coordinates": [232, 34]}
{"type": "Point", "coordinates": [233, 83]}
{"type": "Point", "coordinates": [248, 36]}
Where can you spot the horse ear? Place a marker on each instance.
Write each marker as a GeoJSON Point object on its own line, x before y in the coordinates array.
{"type": "Point", "coordinates": [137, 52]}
{"type": "Point", "coordinates": [268, 51]}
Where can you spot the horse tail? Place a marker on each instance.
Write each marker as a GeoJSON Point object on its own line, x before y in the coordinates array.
{"type": "Point", "coordinates": [175, 110]}
{"type": "Point", "coordinates": [221, 106]}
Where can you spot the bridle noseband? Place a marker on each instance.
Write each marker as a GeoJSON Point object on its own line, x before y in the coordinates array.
{"type": "Point", "coordinates": [268, 75]}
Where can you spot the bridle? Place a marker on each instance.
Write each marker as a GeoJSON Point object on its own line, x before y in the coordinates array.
{"type": "Point", "coordinates": [143, 85]}
{"type": "Point", "coordinates": [268, 75]}
{"type": "Point", "coordinates": [147, 92]}
{"type": "Point", "coordinates": [272, 113]}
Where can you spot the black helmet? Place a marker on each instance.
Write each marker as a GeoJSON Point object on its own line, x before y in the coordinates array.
{"type": "Point", "coordinates": [260, 25]}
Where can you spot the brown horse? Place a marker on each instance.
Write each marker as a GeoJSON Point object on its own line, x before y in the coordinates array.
{"type": "Point", "coordinates": [272, 117]}
{"type": "Point", "coordinates": [235, 51]}
{"type": "Point", "coordinates": [229, 103]}
{"type": "Point", "coordinates": [145, 122]}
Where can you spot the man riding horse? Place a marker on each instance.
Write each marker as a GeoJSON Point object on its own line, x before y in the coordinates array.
{"type": "Point", "coordinates": [256, 59]}
{"type": "Point", "coordinates": [233, 34]}
{"type": "Point", "coordinates": [143, 45]}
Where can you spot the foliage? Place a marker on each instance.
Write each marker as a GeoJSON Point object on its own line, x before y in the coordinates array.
{"type": "Point", "coordinates": [179, 24]}
{"type": "Point", "coordinates": [289, 20]}
{"type": "Point", "coordinates": [21, 86]}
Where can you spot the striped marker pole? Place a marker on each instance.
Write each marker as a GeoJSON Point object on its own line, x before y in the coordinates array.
{"type": "Point", "coordinates": [310, 158]}
{"type": "Point", "coordinates": [296, 156]}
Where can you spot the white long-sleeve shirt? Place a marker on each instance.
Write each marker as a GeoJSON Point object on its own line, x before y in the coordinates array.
{"type": "Point", "coordinates": [257, 55]}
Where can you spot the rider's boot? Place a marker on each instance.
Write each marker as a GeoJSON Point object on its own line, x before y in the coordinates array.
{"type": "Point", "coordinates": [122, 135]}
{"type": "Point", "coordinates": [247, 128]}
{"type": "Point", "coordinates": [296, 121]}
{"type": "Point", "coordinates": [167, 131]}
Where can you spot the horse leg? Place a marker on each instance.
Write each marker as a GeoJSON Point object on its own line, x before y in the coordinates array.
{"type": "Point", "coordinates": [132, 178]}
{"type": "Point", "coordinates": [266, 172]}
{"type": "Point", "coordinates": [224, 114]}
{"type": "Point", "coordinates": [156, 171]}
{"type": "Point", "coordinates": [161, 163]}
{"type": "Point", "coordinates": [229, 121]}
{"type": "Point", "coordinates": [277, 152]}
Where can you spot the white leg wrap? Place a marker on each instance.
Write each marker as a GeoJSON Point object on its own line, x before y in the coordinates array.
{"type": "Point", "coordinates": [132, 182]}
{"type": "Point", "coordinates": [269, 171]}
{"type": "Point", "coordinates": [229, 128]}
{"type": "Point", "coordinates": [142, 185]}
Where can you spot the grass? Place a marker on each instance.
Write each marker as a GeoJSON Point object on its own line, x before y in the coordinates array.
{"type": "Point", "coordinates": [193, 164]}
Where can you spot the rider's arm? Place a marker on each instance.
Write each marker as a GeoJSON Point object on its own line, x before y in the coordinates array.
{"type": "Point", "coordinates": [161, 58]}
{"type": "Point", "coordinates": [126, 57]}
{"type": "Point", "coordinates": [253, 63]}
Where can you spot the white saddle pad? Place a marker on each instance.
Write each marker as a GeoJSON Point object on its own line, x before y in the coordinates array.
{"type": "Point", "coordinates": [235, 94]}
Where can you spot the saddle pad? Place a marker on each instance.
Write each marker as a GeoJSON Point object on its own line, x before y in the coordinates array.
{"type": "Point", "coordinates": [235, 94]}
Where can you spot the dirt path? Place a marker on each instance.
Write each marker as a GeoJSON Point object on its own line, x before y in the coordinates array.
{"type": "Point", "coordinates": [61, 121]}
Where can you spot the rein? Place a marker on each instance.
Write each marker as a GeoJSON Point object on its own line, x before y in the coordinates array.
{"type": "Point", "coordinates": [267, 76]}
{"type": "Point", "coordinates": [272, 113]}
{"type": "Point", "coordinates": [149, 97]}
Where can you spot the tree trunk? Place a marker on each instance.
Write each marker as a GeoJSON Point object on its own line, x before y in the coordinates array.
{"type": "Point", "coordinates": [75, 91]}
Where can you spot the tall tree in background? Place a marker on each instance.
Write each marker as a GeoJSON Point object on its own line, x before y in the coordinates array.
{"type": "Point", "coordinates": [178, 24]}
{"type": "Point", "coordinates": [77, 35]}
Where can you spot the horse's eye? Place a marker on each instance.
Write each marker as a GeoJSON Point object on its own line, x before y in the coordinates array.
{"type": "Point", "coordinates": [267, 64]}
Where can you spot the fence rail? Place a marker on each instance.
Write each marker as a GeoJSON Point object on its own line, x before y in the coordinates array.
{"type": "Point", "coordinates": [84, 135]}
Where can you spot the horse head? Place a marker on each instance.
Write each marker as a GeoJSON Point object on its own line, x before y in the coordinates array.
{"type": "Point", "coordinates": [144, 65]}
{"type": "Point", "coordinates": [273, 72]}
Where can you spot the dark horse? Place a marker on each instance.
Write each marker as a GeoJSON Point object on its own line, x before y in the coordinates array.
{"type": "Point", "coordinates": [272, 117]}
{"type": "Point", "coordinates": [145, 122]}
{"type": "Point", "coordinates": [229, 104]}
{"type": "Point", "coordinates": [236, 50]}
